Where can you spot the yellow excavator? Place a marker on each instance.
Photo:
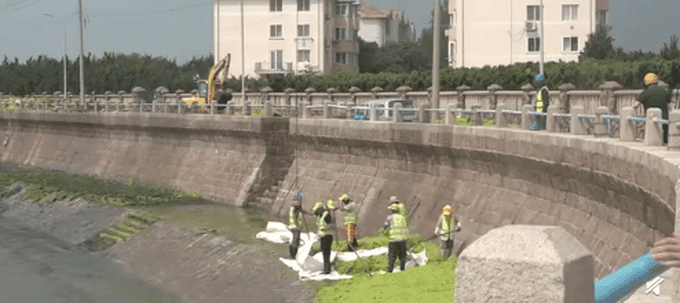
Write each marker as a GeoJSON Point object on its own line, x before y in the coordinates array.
{"type": "Point", "coordinates": [206, 89]}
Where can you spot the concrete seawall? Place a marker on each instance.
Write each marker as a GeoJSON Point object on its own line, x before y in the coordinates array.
{"type": "Point", "coordinates": [616, 198]}
{"type": "Point", "coordinates": [224, 158]}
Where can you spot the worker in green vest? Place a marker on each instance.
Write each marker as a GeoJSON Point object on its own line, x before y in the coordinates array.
{"type": "Point", "coordinates": [323, 221]}
{"type": "Point", "coordinates": [400, 205]}
{"type": "Point", "coordinates": [542, 100]}
{"type": "Point", "coordinates": [294, 224]}
{"type": "Point", "coordinates": [398, 233]}
{"type": "Point", "coordinates": [445, 229]}
{"type": "Point", "coordinates": [350, 210]}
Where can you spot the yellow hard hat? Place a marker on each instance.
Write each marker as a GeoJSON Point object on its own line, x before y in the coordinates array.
{"type": "Point", "coordinates": [393, 207]}
{"type": "Point", "coordinates": [317, 205]}
{"type": "Point", "coordinates": [447, 210]}
{"type": "Point", "coordinates": [344, 198]}
{"type": "Point", "coordinates": [651, 78]}
{"type": "Point", "coordinates": [331, 204]}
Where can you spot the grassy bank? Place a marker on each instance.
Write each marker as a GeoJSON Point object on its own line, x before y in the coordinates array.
{"type": "Point", "coordinates": [434, 282]}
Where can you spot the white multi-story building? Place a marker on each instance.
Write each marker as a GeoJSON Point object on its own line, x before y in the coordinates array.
{"type": "Point", "coordinates": [503, 32]}
{"type": "Point", "coordinates": [384, 26]}
{"type": "Point", "coordinates": [287, 36]}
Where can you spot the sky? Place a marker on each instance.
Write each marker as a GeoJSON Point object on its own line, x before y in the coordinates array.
{"type": "Point", "coordinates": [182, 29]}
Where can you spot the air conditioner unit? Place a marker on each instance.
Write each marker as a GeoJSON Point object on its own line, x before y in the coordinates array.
{"type": "Point", "coordinates": [530, 26]}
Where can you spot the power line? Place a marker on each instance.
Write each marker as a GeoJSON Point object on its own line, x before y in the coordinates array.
{"type": "Point", "coordinates": [16, 7]}
{"type": "Point", "coordinates": [151, 12]}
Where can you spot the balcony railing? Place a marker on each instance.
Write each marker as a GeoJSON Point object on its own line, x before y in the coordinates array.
{"type": "Point", "coordinates": [265, 68]}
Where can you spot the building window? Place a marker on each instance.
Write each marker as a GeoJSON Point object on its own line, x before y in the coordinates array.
{"type": "Point", "coordinates": [303, 5]}
{"type": "Point", "coordinates": [534, 44]}
{"type": "Point", "coordinates": [341, 9]}
{"type": "Point", "coordinates": [452, 19]}
{"type": "Point", "coordinates": [303, 30]}
{"type": "Point", "coordinates": [351, 59]}
{"type": "Point", "coordinates": [341, 58]}
{"type": "Point", "coordinates": [569, 12]}
{"type": "Point", "coordinates": [570, 44]}
{"type": "Point", "coordinates": [275, 5]}
{"type": "Point", "coordinates": [533, 13]}
{"type": "Point", "coordinates": [277, 59]}
{"type": "Point", "coordinates": [276, 31]}
{"type": "Point", "coordinates": [340, 33]}
{"type": "Point", "coordinates": [303, 55]}
{"type": "Point", "coordinates": [601, 18]}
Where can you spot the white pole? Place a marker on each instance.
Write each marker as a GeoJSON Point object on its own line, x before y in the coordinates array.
{"type": "Point", "coordinates": [82, 73]}
{"type": "Point", "coordinates": [64, 56]}
{"type": "Point", "coordinates": [243, 61]}
{"type": "Point", "coordinates": [435, 55]}
{"type": "Point", "coordinates": [541, 42]}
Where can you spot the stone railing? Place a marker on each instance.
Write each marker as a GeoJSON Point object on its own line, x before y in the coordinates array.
{"type": "Point", "coordinates": [610, 94]}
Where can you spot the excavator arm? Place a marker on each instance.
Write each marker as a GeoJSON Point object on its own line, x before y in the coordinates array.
{"type": "Point", "coordinates": [212, 77]}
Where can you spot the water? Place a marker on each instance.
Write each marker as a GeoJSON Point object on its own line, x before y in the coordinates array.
{"type": "Point", "coordinates": [36, 267]}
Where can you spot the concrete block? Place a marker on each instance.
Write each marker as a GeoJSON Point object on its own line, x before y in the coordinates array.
{"type": "Point", "coordinates": [674, 129]}
{"type": "Point", "coordinates": [526, 118]}
{"type": "Point", "coordinates": [653, 129]}
{"type": "Point", "coordinates": [599, 129]}
{"type": "Point", "coordinates": [522, 263]}
{"type": "Point", "coordinates": [501, 119]}
{"type": "Point", "coordinates": [397, 115]}
{"type": "Point", "coordinates": [627, 129]}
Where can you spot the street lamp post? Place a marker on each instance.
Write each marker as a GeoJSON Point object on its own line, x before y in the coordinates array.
{"type": "Point", "coordinates": [435, 54]}
{"type": "Point", "coordinates": [82, 73]}
{"type": "Point", "coordinates": [541, 40]}
{"type": "Point", "coordinates": [64, 57]}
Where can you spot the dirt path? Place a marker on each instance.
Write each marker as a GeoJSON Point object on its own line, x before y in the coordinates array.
{"type": "Point", "coordinates": [208, 267]}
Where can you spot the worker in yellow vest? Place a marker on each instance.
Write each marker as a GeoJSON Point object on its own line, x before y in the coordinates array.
{"type": "Point", "coordinates": [350, 210]}
{"type": "Point", "coordinates": [323, 221]}
{"type": "Point", "coordinates": [445, 229]}
{"type": "Point", "coordinates": [400, 205]}
{"type": "Point", "coordinates": [294, 224]}
{"type": "Point", "coordinates": [398, 234]}
{"type": "Point", "coordinates": [542, 100]}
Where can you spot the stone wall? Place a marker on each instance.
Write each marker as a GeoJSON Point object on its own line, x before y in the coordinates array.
{"type": "Point", "coordinates": [616, 199]}
{"type": "Point", "coordinates": [222, 157]}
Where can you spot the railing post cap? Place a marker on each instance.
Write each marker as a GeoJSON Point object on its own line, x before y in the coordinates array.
{"type": "Point", "coordinates": [463, 88]}
{"type": "Point", "coordinates": [404, 88]}
{"type": "Point", "coordinates": [120, 92]}
{"type": "Point", "coordinates": [266, 89]}
{"type": "Point", "coordinates": [566, 87]}
{"type": "Point", "coordinates": [610, 85]}
{"type": "Point", "coordinates": [528, 87]}
{"type": "Point", "coordinates": [354, 89]}
{"type": "Point", "coordinates": [289, 90]}
{"type": "Point", "coordinates": [377, 89]}
{"type": "Point", "coordinates": [179, 91]}
{"type": "Point", "coordinates": [138, 89]}
{"type": "Point", "coordinates": [494, 87]}
{"type": "Point", "coordinates": [310, 90]}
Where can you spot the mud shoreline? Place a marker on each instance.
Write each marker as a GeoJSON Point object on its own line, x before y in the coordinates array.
{"type": "Point", "coordinates": [197, 261]}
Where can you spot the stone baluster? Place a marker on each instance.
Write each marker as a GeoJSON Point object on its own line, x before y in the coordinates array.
{"type": "Point", "coordinates": [397, 115]}
{"type": "Point", "coordinates": [268, 112]}
{"type": "Point", "coordinates": [493, 98]}
{"type": "Point", "coordinates": [627, 129]}
{"type": "Point", "coordinates": [501, 119]}
{"type": "Point", "coordinates": [607, 97]}
{"type": "Point", "coordinates": [287, 93]}
{"type": "Point", "coordinates": [308, 94]}
{"type": "Point", "coordinates": [577, 125]}
{"type": "Point", "coordinates": [599, 129]}
{"type": "Point", "coordinates": [353, 94]}
{"type": "Point", "coordinates": [461, 95]}
{"type": "Point", "coordinates": [551, 120]}
{"type": "Point", "coordinates": [331, 91]}
{"type": "Point", "coordinates": [375, 91]}
{"type": "Point", "coordinates": [565, 104]}
{"type": "Point", "coordinates": [653, 129]}
{"type": "Point", "coordinates": [673, 129]}
{"type": "Point", "coordinates": [526, 116]}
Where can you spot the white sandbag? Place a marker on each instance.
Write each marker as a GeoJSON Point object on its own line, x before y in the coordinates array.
{"type": "Point", "coordinates": [363, 253]}
{"type": "Point", "coordinates": [273, 226]}
{"type": "Point", "coordinates": [419, 259]}
{"type": "Point", "coordinates": [275, 237]}
{"type": "Point", "coordinates": [318, 276]}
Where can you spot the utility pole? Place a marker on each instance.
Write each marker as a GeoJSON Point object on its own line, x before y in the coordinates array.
{"type": "Point", "coordinates": [64, 57]}
{"type": "Point", "coordinates": [435, 55]}
{"type": "Point", "coordinates": [243, 60]}
{"type": "Point", "coordinates": [82, 73]}
{"type": "Point", "coordinates": [541, 40]}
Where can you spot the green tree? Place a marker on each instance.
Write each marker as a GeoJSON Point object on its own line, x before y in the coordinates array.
{"type": "Point", "coordinates": [670, 52]}
{"type": "Point", "coordinates": [599, 45]}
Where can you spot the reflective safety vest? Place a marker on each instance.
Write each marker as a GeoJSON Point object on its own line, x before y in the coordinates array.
{"type": "Point", "coordinates": [399, 228]}
{"type": "Point", "coordinates": [324, 229]}
{"type": "Point", "coordinates": [446, 229]}
{"type": "Point", "coordinates": [539, 100]}
{"type": "Point", "coordinates": [293, 218]}
{"type": "Point", "coordinates": [351, 214]}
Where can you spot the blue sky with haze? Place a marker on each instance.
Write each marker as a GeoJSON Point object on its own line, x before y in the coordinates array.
{"type": "Point", "coordinates": [181, 29]}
